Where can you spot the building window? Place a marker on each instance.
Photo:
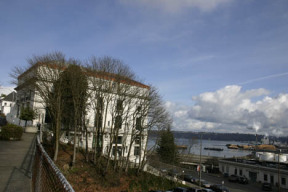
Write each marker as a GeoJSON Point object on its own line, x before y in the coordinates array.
{"type": "Point", "coordinates": [272, 179]}
{"type": "Point", "coordinates": [137, 140]}
{"type": "Point", "coordinates": [118, 122]}
{"type": "Point", "coordinates": [240, 172]}
{"type": "Point", "coordinates": [119, 106]}
{"type": "Point", "coordinates": [139, 108]}
{"type": "Point", "coordinates": [235, 172]}
{"type": "Point", "coordinates": [117, 152]}
{"type": "Point", "coordinates": [117, 140]}
{"type": "Point", "coordinates": [100, 104]}
{"type": "Point", "coordinates": [283, 181]}
{"type": "Point", "coordinates": [136, 151]}
{"type": "Point", "coordinates": [227, 169]}
{"type": "Point", "coordinates": [138, 123]}
{"type": "Point", "coordinates": [265, 177]}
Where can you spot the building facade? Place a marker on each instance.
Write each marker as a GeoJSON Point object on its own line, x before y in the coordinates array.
{"type": "Point", "coordinates": [117, 106]}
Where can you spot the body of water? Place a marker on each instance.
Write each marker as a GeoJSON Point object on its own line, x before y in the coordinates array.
{"type": "Point", "coordinates": [196, 147]}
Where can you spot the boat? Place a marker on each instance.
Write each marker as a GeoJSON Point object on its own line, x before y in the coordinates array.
{"type": "Point", "coordinates": [232, 146]}
{"type": "Point", "coordinates": [213, 148]}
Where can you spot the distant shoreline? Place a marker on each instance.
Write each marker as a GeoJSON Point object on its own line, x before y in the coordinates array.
{"type": "Point", "coordinates": [240, 137]}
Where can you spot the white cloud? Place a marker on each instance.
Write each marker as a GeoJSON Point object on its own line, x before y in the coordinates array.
{"type": "Point", "coordinates": [174, 6]}
{"type": "Point", "coordinates": [232, 110]}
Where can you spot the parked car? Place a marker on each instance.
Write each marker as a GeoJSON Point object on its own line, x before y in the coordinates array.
{"type": "Point", "coordinates": [184, 189]}
{"type": "Point", "coordinates": [233, 178]}
{"type": "Point", "coordinates": [178, 189]}
{"type": "Point", "coordinates": [207, 190]}
{"type": "Point", "coordinates": [243, 180]}
{"type": "Point", "coordinates": [192, 189]}
{"type": "Point", "coordinates": [267, 186]}
{"type": "Point", "coordinates": [219, 188]}
{"type": "Point", "coordinates": [203, 183]}
{"type": "Point", "coordinates": [189, 178]}
{"type": "Point", "coordinates": [164, 171]}
{"type": "Point", "coordinates": [173, 172]}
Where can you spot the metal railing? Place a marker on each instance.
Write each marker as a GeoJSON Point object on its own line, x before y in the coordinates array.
{"type": "Point", "coordinates": [46, 176]}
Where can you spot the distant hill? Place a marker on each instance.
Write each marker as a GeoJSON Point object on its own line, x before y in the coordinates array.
{"type": "Point", "coordinates": [222, 136]}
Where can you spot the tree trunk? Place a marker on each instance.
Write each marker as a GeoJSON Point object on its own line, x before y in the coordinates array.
{"type": "Point", "coordinates": [86, 137]}
{"type": "Point", "coordinates": [57, 127]}
{"type": "Point", "coordinates": [74, 148]}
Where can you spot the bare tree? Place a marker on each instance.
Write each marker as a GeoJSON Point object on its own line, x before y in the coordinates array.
{"type": "Point", "coordinates": [157, 118]}
{"type": "Point", "coordinates": [114, 91]}
{"type": "Point", "coordinates": [41, 75]}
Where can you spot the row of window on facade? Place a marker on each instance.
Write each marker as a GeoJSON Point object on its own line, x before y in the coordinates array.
{"type": "Point", "coordinates": [118, 152]}
{"type": "Point", "coordinates": [118, 140]}
{"type": "Point", "coordinates": [5, 104]}
{"type": "Point", "coordinates": [118, 122]}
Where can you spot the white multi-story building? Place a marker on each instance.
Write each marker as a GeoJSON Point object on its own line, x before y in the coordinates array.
{"type": "Point", "coordinates": [125, 108]}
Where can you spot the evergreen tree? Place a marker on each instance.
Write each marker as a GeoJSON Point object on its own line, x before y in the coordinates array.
{"type": "Point", "coordinates": [27, 114]}
{"type": "Point", "coordinates": [167, 149]}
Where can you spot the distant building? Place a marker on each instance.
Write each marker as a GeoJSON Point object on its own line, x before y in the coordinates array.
{"type": "Point", "coordinates": [7, 106]}
{"type": "Point", "coordinates": [267, 168]}
{"type": "Point", "coordinates": [265, 140]}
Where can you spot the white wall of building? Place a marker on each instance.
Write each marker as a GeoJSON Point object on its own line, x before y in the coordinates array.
{"type": "Point", "coordinates": [28, 96]}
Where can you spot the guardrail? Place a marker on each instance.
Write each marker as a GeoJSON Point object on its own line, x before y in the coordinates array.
{"type": "Point", "coordinates": [46, 177]}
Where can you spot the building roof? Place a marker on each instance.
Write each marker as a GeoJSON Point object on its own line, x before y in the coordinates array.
{"type": "Point", "coordinates": [10, 97]}
{"type": "Point", "coordinates": [97, 74]}
{"type": "Point", "coordinates": [255, 163]}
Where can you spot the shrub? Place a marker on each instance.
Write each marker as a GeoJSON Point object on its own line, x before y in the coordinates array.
{"type": "Point", "coordinates": [11, 131]}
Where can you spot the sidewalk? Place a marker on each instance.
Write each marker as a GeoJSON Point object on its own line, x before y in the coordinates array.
{"type": "Point", "coordinates": [16, 159]}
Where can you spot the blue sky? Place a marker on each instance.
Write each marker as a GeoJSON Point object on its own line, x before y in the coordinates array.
{"type": "Point", "coordinates": [186, 48]}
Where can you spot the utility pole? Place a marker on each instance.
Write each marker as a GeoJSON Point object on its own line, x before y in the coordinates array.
{"type": "Point", "coordinates": [279, 170]}
{"type": "Point", "coordinates": [200, 166]}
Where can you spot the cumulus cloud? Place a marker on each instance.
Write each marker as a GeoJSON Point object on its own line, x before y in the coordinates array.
{"type": "Point", "coordinates": [174, 6]}
{"type": "Point", "coordinates": [232, 110]}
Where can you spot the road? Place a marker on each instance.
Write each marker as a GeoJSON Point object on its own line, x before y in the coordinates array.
{"type": "Point", "coordinates": [215, 179]}
{"type": "Point", "coordinates": [233, 187]}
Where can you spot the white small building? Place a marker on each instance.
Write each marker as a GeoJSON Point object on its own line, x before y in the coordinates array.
{"type": "Point", "coordinates": [265, 140]}
{"type": "Point", "coordinates": [8, 107]}
{"type": "Point", "coordinates": [273, 172]}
